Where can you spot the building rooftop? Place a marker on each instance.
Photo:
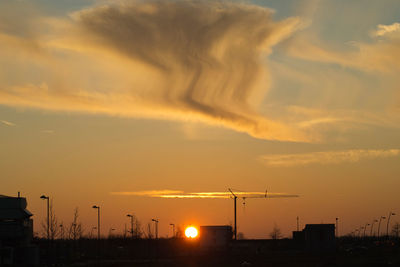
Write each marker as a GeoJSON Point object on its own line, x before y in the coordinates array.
{"type": "Point", "coordinates": [13, 208]}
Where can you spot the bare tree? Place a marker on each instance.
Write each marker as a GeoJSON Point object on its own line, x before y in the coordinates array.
{"type": "Point", "coordinates": [149, 234]}
{"type": "Point", "coordinates": [53, 225]}
{"type": "Point", "coordinates": [137, 232]}
{"type": "Point", "coordinates": [75, 230]}
{"type": "Point", "coordinates": [396, 229]}
{"type": "Point", "coordinates": [276, 233]}
{"type": "Point", "coordinates": [240, 236]}
{"type": "Point", "coordinates": [179, 232]}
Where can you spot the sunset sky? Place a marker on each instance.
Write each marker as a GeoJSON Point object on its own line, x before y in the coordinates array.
{"type": "Point", "coordinates": [115, 103]}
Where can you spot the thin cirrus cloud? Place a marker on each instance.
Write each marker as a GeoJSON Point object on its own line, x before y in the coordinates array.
{"type": "Point", "coordinates": [381, 55]}
{"type": "Point", "coordinates": [7, 123]}
{"type": "Point", "coordinates": [223, 195]}
{"type": "Point", "coordinates": [327, 157]}
{"type": "Point", "coordinates": [179, 60]}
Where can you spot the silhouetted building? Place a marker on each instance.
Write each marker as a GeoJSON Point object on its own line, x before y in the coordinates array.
{"type": "Point", "coordinates": [316, 237]}
{"type": "Point", "coordinates": [16, 232]}
{"type": "Point", "coordinates": [217, 236]}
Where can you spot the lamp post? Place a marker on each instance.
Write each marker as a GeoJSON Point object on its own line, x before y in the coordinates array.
{"type": "Point", "coordinates": [388, 221]}
{"type": "Point", "coordinates": [379, 225]}
{"type": "Point", "coordinates": [365, 228]}
{"type": "Point", "coordinates": [372, 225]}
{"type": "Point", "coordinates": [48, 213]}
{"type": "Point", "coordinates": [337, 227]}
{"type": "Point", "coordinates": [156, 225]}
{"type": "Point", "coordinates": [131, 216]}
{"type": "Point", "coordinates": [297, 218]}
{"type": "Point", "coordinates": [62, 231]}
{"type": "Point", "coordinates": [173, 230]}
{"type": "Point", "coordinates": [98, 221]}
{"type": "Point", "coordinates": [110, 233]}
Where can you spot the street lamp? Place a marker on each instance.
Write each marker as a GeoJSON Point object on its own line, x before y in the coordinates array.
{"type": "Point", "coordinates": [379, 225]}
{"type": "Point", "coordinates": [156, 224]}
{"type": "Point", "coordinates": [62, 231]}
{"type": "Point", "coordinates": [110, 235]}
{"type": "Point", "coordinates": [372, 226]}
{"type": "Point", "coordinates": [388, 221]}
{"type": "Point", "coordinates": [131, 216]}
{"type": "Point", "coordinates": [173, 229]}
{"type": "Point", "coordinates": [365, 228]}
{"type": "Point", "coordinates": [337, 227]}
{"type": "Point", "coordinates": [48, 217]}
{"type": "Point", "coordinates": [98, 221]}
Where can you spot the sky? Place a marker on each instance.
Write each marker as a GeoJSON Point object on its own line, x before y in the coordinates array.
{"type": "Point", "coordinates": [115, 103]}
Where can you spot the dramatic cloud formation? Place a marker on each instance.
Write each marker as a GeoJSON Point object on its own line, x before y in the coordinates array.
{"type": "Point", "coordinates": [181, 194]}
{"type": "Point", "coordinates": [186, 60]}
{"type": "Point", "coordinates": [327, 157]}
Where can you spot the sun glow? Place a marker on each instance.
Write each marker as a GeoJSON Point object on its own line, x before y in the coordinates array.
{"type": "Point", "coordinates": [191, 232]}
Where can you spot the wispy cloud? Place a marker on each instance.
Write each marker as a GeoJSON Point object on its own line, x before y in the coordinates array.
{"type": "Point", "coordinates": [327, 157]}
{"type": "Point", "coordinates": [384, 30]}
{"type": "Point", "coordinates": [380, 54]}
{"type": "Point", "coordinates": [147, 193]}
{"type": "Point", "coordinates": [7, 123]}
{"type": "Point", "coordinates": [181, 194]}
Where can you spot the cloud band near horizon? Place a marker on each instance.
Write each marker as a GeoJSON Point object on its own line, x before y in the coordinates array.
{"type": "Point", "coordinates": [327, 157]}
{"type": "Point", "coordinates": [217, 195]}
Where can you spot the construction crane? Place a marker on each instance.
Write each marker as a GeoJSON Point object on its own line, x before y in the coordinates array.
{"type": "Point", "coordinates": [245, 195]}
{"type": "Point", "coordinates": [235, 194]}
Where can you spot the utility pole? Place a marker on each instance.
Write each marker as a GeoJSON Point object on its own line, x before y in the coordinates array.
{"type": "Point", "coordinates": [234, 214]}
{"type": "Point", "coordinates": [297, 223]}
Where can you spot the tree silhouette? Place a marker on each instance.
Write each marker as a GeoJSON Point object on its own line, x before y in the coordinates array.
{"type": "Point", "coordinates": [149, 234]}
{"type": "Point", "coordinates": [53, 225]}
{"type": "Point", "coordinates": [75, 230]}
{"type": "Point", "coordinates": [276, 232]}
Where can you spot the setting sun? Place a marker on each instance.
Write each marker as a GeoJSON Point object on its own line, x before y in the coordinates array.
{"type": "Point", "coordinates": [191, 232]}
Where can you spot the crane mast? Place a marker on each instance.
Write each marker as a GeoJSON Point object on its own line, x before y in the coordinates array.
{"type": "Point", "coordinates": [234, 213]}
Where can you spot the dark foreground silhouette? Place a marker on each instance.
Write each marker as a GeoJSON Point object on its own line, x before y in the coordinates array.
{"type": "Point", "coordinates": [183, 252]}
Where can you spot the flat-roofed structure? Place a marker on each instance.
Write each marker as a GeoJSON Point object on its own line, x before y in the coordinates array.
{"type": "Point", "coordinates": [316, 237]}
{"type": "Point", "coordinates": [215, 236]}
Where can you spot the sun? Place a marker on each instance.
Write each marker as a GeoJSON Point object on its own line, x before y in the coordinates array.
{"type": "Point", "coordinates": [191, 232]}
